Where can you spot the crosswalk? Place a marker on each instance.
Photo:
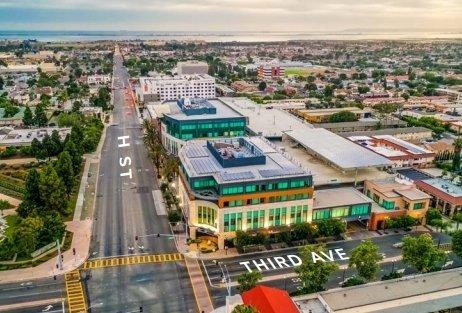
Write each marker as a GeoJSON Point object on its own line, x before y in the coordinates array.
{"type": "Point", "coordinates": [75, 295]}
{"type": "Point", "coordinates": [131, 260]}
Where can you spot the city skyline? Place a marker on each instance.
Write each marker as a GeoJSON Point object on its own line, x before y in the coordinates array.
{"type": "Point", "coordinates": [225, 15]}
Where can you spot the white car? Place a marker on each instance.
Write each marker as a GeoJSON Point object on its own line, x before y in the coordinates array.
{"type": "Point", "coordinates": [398, 245]}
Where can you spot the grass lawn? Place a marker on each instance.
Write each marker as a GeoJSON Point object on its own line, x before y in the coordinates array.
{"type": "Point", "coordinates": [297, 71]}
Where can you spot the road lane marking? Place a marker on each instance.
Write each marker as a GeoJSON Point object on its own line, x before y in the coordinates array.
{"type": "Point", "coordinates": [131, 260]}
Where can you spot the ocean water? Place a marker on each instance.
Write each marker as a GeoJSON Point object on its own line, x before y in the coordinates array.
{"type": "Point", "coordinates": [53, 36]}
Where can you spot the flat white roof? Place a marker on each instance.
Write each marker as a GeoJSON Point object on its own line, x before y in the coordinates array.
{"type": "Point", "coordinates": [337, 150]}
{"type": "Point", "coordinates": [269, 123]}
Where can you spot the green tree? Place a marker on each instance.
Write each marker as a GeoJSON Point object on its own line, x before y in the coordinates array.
{"type": "Point", "coordinates": [457, 243]}
{"type": "Point", "coordinates": [365, 258]}
{"type": "Point", "coordinates": [75, 155]}
{"type": "Point", "coordinates": [52, 191]}
{"type": "Point", "coordinates": [25, 236]}
{"type": "Point", "coordinates": [458, 219]}
{"type": "Point", "coordinates": [314, 275]}
{"type": "Point", "coordinates": [40, 119]}
{"type": "Point", "coordinates": [433, 214]}
{"type": "Point", "coordinates": [248, 280]}
{"type": "Point", "coordinates": [49, 146]}
{"type": "Point", "coordinates": [421, 253]}
{"type": "Point", "coordinates": [53, 228]}
{"type": "Point", "coordinates": [56, 139]}
{"type": "Point", "coordinates": [31, 200]}
{"type": "Point", "coordinates": [343, 116]}
{"type": "Point", "coordinates": [65, 171]}
{"type": "Point", "coordinates": [329, 228]}
{"type": "Point", "coordinates": [353, 281]}
{"type": "Point", "coordinates": [303, 231]}
{"type": "Point", "coordinates": [28, 118]}
{"type": "Point", "coordinates": [262, 86]}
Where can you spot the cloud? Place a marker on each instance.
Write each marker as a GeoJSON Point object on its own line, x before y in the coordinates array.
{"type": "Point", "coordinates": [300, 15]}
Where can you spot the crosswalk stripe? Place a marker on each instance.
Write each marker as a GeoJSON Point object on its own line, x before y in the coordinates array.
{"type": "Point", "coordinates": [75, 295]}
{"type": "Point", "coordinates": [129, 260]}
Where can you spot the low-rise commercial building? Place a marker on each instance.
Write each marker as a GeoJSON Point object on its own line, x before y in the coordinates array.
{"type": "Point", "coordinates": [98, 79]}
{"type": "Point", "coordinates": [163, 87]}
{"type": "Point", "coordinates": [235, 184]}
{"type": "Point", "coordinates": [400, 152]}
{"type": "Point", "coordinates": [445, 195]}
{"type": "Point", "coordinates": [24, 137]}
{"type": "Point", "coordinates": [411, 134]}
{"type": "Point", "coordinates": [323, 115]}
{"type": "Point", "coordinates": [397, 199]}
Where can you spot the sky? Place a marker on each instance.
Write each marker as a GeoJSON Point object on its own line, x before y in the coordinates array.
{"type": "Point", "coordinates": [232, 15]}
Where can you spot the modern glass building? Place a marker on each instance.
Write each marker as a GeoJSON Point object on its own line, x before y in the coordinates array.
{"type": "Point", "coordinates": [188, 119]}
{"type": "Point", "coordinates": [241, 184]}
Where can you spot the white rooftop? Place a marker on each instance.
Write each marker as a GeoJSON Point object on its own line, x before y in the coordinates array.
{"type": "Point", "coordinates": [269, 123]}
{"type": "Point", "coordinates": [337, 150]}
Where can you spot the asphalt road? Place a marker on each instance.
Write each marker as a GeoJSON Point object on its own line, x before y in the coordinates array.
{"type": "Point", "coordinates": [42, 289]}
{"type": "Point", "coordinates": [125, 208]}
{"type": "Point", "coordinates": [291, 284]}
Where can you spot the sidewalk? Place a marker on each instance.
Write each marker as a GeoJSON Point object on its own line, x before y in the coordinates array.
{"type": "Point", "coordinates": [81, 244]}
{"type": "Point", "coordinates": [201, 293]}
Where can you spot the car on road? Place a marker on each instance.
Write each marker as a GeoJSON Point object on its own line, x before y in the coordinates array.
{"type": "Point", "coordinates": [398, 245]}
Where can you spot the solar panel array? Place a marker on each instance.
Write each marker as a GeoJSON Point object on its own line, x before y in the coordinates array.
{"type": "Point", "coordinates": [281, 172]}
{"type": "Point", "coordinates": [237, 176]}
{"type": "Point", "coordinates": [196, 151]}
{"type": "Point", "coordinates": [204, 166]}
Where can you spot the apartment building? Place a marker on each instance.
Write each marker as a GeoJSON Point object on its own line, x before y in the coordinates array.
{"type": "Point", "coordinates": [270, 72]}
{"type": "Point", "coordinates": [227, 185]}
{"type": "Point", "coordinates": [163, 87]}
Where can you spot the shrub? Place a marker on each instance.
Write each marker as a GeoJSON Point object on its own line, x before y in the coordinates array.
{"type": "Point", "coordinates": [392, 275]}
{"type": "Point", "coordinates": [354, 281]}
{"type": "Point", "coordinates": [174, 216]}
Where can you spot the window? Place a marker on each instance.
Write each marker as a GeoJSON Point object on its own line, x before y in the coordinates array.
{"type": "Point", "coordinates": [359, 209]}
{"type": "Point", "coordinates": [255, 219]}
{"type": "Point", "coordinates": [232, 221]}
{"type": "Point", "coordinates": [376, 198]}
{"type": "Point", "coordinates": [321, 214]}
{"type": "Point", "coordinates": [418, 205]}
{"type": "Point", "coordinates": [389, 205]}
{"type": "Point", "coordinates": [282, 185]}
{"type": "Point", "coordinates": [236, 203]}
{"type": "Point", "coordinates": [250, 188]}
{"type": "Point", "coordinates": [297, 183]}
{"type": "Point", "coordinates": [340, 212]}
{"type": "Point", "coordinates": [204, 183]}
{"type": "Point", "coordinates": [255, 201]}
{"type": "Point", "coordinates": [206, 215]}
{"type": "Point", "coordinates": [233, 190]}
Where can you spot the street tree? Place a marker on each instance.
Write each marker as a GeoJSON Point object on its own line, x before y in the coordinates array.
{"type": "Point", "coordinates": [314, 275]}
{"type": "Point", "coordinates": [248, 280]}
{"type": "Point", "coordinates": [25, 236]}
{"type": "Point", "coordinates": [421, 253]}
{"type": "Point", "coordinates": [65, 171]}
{"type": "Point", "coordinates": [75, 154]}
{"type": "Point", "coordinates": [31, 199]}
{"type": "Point", "coordinates": [457, 243]}
{"type": "Point", "coordinates": [365, 258]}
{"type": "Point", "coordinates": [53, 228]}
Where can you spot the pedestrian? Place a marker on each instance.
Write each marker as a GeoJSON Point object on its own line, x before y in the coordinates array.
{"type": "Point", "coordinates": [73, 251]}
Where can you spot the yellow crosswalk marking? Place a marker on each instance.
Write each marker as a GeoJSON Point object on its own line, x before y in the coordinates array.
{"type": "Point", "coordinates": [129, 260]}
{"type": "Point", "coordinates": [75, 295]}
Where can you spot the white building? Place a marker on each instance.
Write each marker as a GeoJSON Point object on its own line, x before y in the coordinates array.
{"type": "Point", "coordinates": [192, 67]}
{"type": "Point", "coordinates": [162, 87]}
{"type": "Point", "coordinates": [98, 79]}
